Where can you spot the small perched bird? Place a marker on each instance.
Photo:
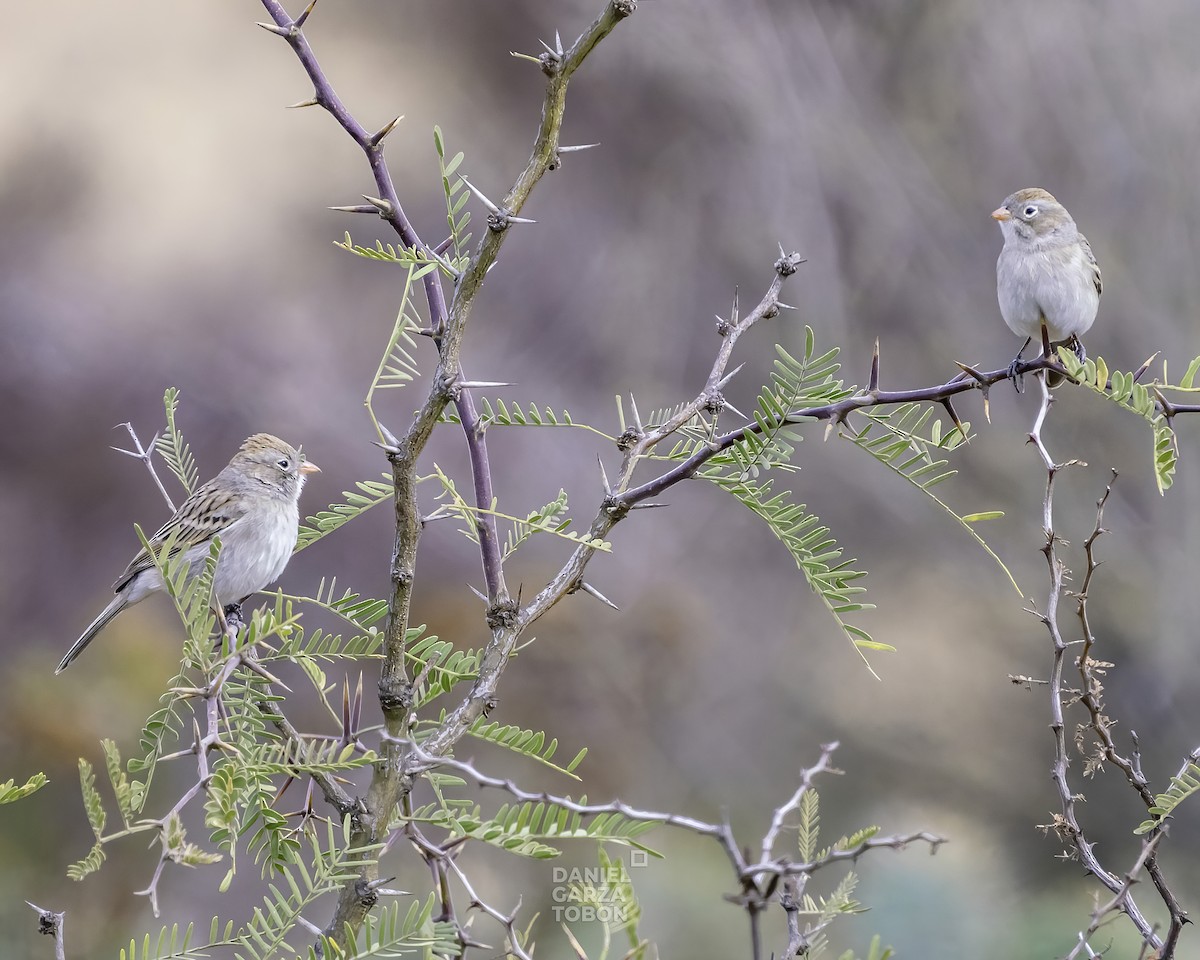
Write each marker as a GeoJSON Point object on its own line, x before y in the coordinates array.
{"type": "Point", "coordinates": [1046, 271]}
{"type": "Point", "coordinates": [251, 505]}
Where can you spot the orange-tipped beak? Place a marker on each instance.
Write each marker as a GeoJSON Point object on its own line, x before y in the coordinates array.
{"type": "Point", "coordinates": [1001, 214]}
{"type": "Point", "coordinates": [309, 467]}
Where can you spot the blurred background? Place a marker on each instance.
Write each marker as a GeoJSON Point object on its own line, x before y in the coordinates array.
{"type": "Point", "coordinates": [163, 222]}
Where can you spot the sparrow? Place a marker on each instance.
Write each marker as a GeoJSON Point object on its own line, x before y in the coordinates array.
{"type": "Point", "coordinates": [252, 505]}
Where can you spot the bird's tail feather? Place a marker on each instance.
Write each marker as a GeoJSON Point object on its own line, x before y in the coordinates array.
{"type": "Point", "coordinates": [117, 604]}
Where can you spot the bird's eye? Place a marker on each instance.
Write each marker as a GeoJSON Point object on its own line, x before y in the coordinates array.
{"type": "Point", "coordinates": [284, 463]}
{"type": "Point", "coordinates": [1030, 212]}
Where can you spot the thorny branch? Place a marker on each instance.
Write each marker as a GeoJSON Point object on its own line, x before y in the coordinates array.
{"type": "Point", "coordinates": [401, 761]}
{"type": "Point", "coordinates": [1066, 823]}
{"type": "Point", "coordinates": [390, 781]}
{"type": "Point", "coordinates": [1091, 696]}
{"type": "Point", "coordinates": [758, 881]}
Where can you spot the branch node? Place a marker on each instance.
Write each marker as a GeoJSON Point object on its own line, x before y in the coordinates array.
{"type": "Point", "coordinates": [787, 263]}
{"type": "Point", "coordinates": [628, 439]}
{"type": "Point", "coordinates": [502, 615]}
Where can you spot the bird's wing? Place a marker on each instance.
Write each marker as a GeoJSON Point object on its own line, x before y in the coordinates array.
{"type": "Point", "coordinates": [208, 512]}
{"type": "Point", "coordinates": [1091, 258]}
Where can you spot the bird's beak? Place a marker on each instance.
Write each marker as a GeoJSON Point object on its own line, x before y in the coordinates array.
{"type": "Point", "coordinates": [309, 467]}
{"type": "Point", "coordinates": [1001, 214]}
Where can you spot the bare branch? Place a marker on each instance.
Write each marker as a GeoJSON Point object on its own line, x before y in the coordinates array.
{"type": "Point", "coordinates": [1066, 823]}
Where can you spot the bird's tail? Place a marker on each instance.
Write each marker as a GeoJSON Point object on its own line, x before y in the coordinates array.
{"type": "Point", "coordinates": [118, 603]}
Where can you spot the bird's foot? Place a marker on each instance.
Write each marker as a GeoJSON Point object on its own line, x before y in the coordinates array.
{"type": "Point", "coordinates": [1016, 376]}
{"type": "Point", "coordinates": [233, 619]}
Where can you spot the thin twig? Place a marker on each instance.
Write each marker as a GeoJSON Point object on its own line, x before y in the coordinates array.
{"type": "Point", "coordinates": [145, 454]}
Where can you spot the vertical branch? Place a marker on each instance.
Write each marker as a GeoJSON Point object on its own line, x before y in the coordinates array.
{"type": "Point", "coordinates": [1066, 822]}
{"type": "Point", "coordinates": [390, 781]}
{"type": "Point", "coordinates": [1091, 697]}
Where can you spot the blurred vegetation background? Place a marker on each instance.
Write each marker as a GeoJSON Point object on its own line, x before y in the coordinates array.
{"type": "Point", "coordinates": [163, 222]}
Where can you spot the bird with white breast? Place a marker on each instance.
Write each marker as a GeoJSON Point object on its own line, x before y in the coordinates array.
{"type": "Point", "coordinates": [1046, 272]}
{"type": "Point", "coordinates": [251, 505]}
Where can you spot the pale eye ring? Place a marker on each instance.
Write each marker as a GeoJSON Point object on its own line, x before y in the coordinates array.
{"type": "Point", "coordinates": [1030, 212]}
{"type": "Point", "coordinates": [284, 463]}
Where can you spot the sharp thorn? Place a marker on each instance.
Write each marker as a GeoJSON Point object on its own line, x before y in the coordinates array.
{"type": "Point", "coordinates": [1141, 371]}
{"type": "Point", "coordinates": [873, 383]}
{"type": "Point", "coordinates": [578, 147]}
{"type": "Point", "coordinates": [733, 313]}
{"type": "Point", "coordinates": [970, 371]}
{"type": "Point", "coordinates": [356, 208]}
{"type": "Point", "coordinates": [954, 416]}
{"type": "Point", "coordinates": [588, 588]}
{"type": "Point", "coordinates": [275, 29]}
{"type": "Point", "coordinates": [782, 252]}
{"type": "Point", "coordinates": [384, 208]}
{"type": "Point", "coordinates": [524, 56]}
{"type": "Point", "coordinates": [481, 596]}
{"type": "Point", "coordinates": [604, 477]}
{"type": "Point", "coordinates": [255, 667]}
{"type": "Point", "coordinates": [484, 200]}
{"type": "Point", "coordinates": [388, 437]}
{"type": "Point", "coordinates": [730, 406]}
{"type": "Point", "coordinates": [308, 925]}
{"type": "Point", "coordinates": [377, 138]}
{"type": "Point", "coordinates": [987, 406]}
{"type": "Point", "coordinates": [549, 49]}
{"type": "Point", "coordinates": [481, 384]}
{"type": "Point", "coordinates": [558, 43]}
{"type": "Point", "coordinates": [512, 219]}
{"type": "Point", "coordinates": [299, 21]}
{"type": "Point", "coordinates": [311, 102]}
{"type": "Point", "coordinates": [445, 264]}
{"type": "Point", "coordinates": [648, 506]}
{"type": "Point", "coordinates": [784, 306]}
{"type": "Point", "coordinates": [828, 429]}
{"type": "Point", "coordinates": [637, 419]}
{"type": "Point", "coordinates": [128, 453]}
{"type": "Point", "coordinates": [444, 245]}
{"type": "Point", "coordinates": [729, 376]}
